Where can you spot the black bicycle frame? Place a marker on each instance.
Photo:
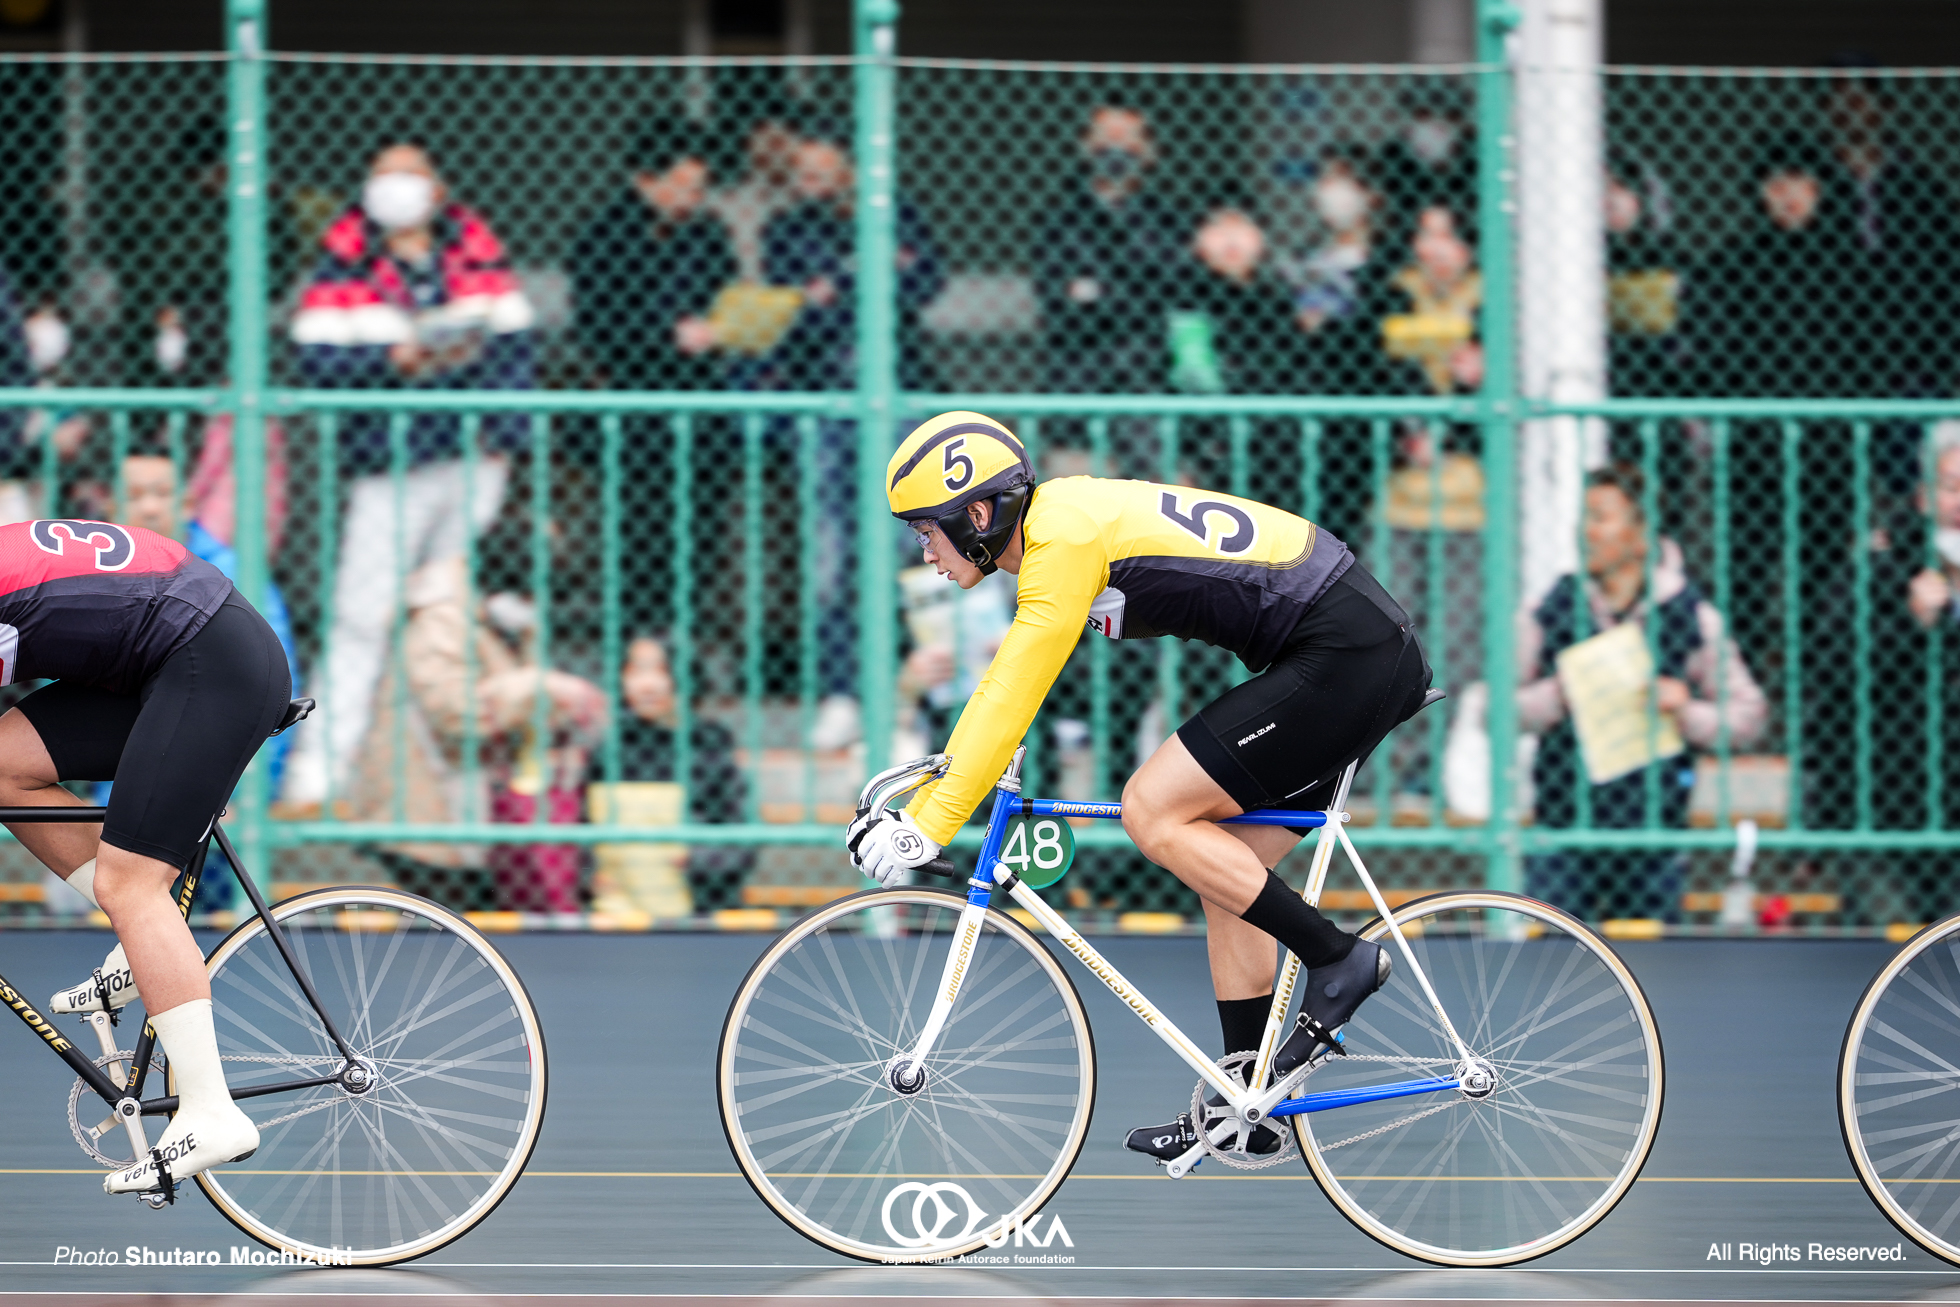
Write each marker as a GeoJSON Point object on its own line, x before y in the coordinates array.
{"type": "Point", "coordinates": [107, 1089]}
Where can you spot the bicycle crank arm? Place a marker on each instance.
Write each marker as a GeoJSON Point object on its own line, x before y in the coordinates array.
{"type": "Point", "coordinates": [1187, 1161]}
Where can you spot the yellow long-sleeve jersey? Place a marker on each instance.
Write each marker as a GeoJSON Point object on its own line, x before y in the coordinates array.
{"type": "Point", "coordinates": [1129, 560]}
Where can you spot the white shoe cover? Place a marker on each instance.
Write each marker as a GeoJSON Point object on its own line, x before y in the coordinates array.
{"type": "Point", "coordinates": [194, 1142]}
{"type": "Point", "coordinates": [209, 1128]}
{"type": "Point", "coordinates": [116, 978]}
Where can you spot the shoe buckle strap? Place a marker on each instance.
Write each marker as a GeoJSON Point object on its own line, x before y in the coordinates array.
{"type": "Point", "coordinates": [1318, 1029]}
{"type": "Point", "coordinates": [163, 1176]}
{"type": "Point", "coordinates": [102, 994]}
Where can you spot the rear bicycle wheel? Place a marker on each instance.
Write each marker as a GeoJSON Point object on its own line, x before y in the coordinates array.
{"type": "Point", "coordinates": [1899, 1089]}
{"type": "Point", "coordinates": [458, 1077]}
{"type": "Point", "coordinates": [849, 1161]}
{"type": "Point", "coordinates": [1547, 1152]}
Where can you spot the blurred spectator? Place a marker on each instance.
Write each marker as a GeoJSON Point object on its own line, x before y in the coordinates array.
{"type": "Point", "coordinates": [16, 371]}
{"type": "Point", "coordinates": [812, 247]}
{"type": "Point", "coordinates": [412, 767]}
{"type": "Point", "coordinates": [1327, 278]}
{"type": "Point", "coordinates": [1433, 163]}
{"type": "Point", "coordinates": [1105, 263]}
{"type": "Point", "coordinates": [1765, 312]}
{"type": "Point", "coordinates": [1443, 293]}
{"type": "Point", "coordinates": [1933, 598]}
{"type": "Point", "coordinates": [412, 291]}
{"type": "Point", "coordinates": [758, 113]}
{"type": "Point", "coordinates": [1235, 328]}
{"type": "Point", "coordinates": [1884, 206]}
{"type": "Point", "coordinates": [1701, 681]}
{"type": "Point", "coordinates": [1643, 288]}
{"type": "Point", "coordinates": [715, 791]}
{"type": "Point", "coordinates": [646, 271]}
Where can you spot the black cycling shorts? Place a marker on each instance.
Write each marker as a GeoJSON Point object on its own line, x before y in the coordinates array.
{"type": "Point", "coordinates": [1350, 672]}
{"type": "Point", "coordinates": [175, 748]}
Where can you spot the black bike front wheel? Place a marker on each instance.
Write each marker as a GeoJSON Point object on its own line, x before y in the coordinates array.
{"type": "Point", "coordinates": [457, 1083]}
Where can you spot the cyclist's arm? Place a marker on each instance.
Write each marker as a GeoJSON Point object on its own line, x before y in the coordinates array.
{"type": "Point", "coordinates": [1059, 579]}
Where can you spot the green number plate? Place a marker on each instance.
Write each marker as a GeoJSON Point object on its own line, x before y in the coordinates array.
{"type": "Point", "coordinates": [1039, 849]}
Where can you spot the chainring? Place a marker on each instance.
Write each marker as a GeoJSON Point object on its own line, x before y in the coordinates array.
{"type": "Point", "coordinates": [87, 1136]}
{"type": "Point", "coordinates": [1203, 1117]}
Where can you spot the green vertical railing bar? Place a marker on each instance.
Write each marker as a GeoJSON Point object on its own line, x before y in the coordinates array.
{"type": "Point", "coordinates": [1650, 512]}
{"type": "Point", "coordinates": [173, 437]}
{"type": "Point", "coordinates": [875, 43]}
{"type": "Point", "coordinates": [753, 534]}
{"type": "Point", "coordinates": [396, 675]}
{"type": "Point", "coordinates": [1861, 621]}
{"type": "Point", "coordinates": [1379, 544]}
{"type": "Point", "coordinates": [1793, 618]}
{"type": "Point", "coordinates": [1498, 405]}
{"type": "Point", "coordinates": [245, 112]}
{"type": "Point", "coordinates": [610, 651]}
{"type": "Point", "coordinates": [1099, 649]}
{"type": "Point", "coordinates": [327, 501]}
{"type": "Point", "coordinates": [1240, 438]}
{"type": "Point", "coordinates": [681, 549]}
{"type": "Point", "coordinates": [1166, 433]}
{"type": "Point", "coordinates": [50, 470]}
{"type": "Point", "coordinates": [541, 605]}
{"type": "Point", "coordinates": [1036, 775]}
{"type": "Point", "coordinates": [1935, 649]}
{"type": "Point", "coordinates": [807, 509]}
{"type": "Point", "coordinates": [118, 453]}
{"type": "Point", "coordinates": [1724, 605]}
{"type": "Point", "coordinates": [472, 745]}
{"type": "Point", "coordinates": [1582, 628]}
{"type": "Point", "coordinates": [1310, 469]}
{"type": "Point", "coordinates": [1435, 646]}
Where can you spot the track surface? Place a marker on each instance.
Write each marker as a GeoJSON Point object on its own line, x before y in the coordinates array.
{"type": "Point", "coordinates": [632, 1190]}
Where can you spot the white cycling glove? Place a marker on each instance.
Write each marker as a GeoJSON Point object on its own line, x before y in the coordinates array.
{"type": "Point", "coordinates": [885, 844]}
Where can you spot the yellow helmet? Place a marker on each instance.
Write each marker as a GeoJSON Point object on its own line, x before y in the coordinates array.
{"type": "Point", "coordinates": [958, 459]}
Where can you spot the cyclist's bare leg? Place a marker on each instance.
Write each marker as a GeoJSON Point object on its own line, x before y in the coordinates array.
{"type": "Point", "coordinates": [135, 891]}
{"type": "Point", "coordinates": [28, 780]}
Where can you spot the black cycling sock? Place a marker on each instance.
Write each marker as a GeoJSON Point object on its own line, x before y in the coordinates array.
{"type": "Point", "coordinates": [1244, 1022]}
{"type": "Point", "coordinates": [1288, 918]}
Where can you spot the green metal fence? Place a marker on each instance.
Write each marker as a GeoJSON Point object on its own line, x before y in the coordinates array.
{"type": "Point", "coordinates": [576, 509]}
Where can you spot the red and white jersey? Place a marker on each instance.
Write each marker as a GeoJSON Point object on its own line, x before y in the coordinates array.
{"type": "Point", "coordinates": [98, 603]}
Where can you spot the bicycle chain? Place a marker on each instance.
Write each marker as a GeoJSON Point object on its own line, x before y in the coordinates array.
{"type": "Point", "coordinates": [1392, 1125]}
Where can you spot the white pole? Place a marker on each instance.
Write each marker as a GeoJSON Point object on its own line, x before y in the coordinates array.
{"type": "Point", "coordinates": [1557, 50]}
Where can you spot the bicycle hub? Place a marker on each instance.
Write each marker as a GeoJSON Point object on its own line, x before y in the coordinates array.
{"type": "Point", "coordinates": [1476, 1079]}
{"type": "Point", "coordinates": [896, 1077]}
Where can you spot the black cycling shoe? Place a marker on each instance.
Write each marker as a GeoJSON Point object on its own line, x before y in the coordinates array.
{"type": "Point", "coordinates": [1166, 1142]}
{"type": "Point", "coordinates": [1333, 993]}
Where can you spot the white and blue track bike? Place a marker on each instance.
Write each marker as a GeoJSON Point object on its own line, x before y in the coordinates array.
{"type": "Point", "coordinates": [907, 1074]}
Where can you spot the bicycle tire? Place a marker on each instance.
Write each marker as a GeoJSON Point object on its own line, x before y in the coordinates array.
{"type": "Point", "coordinates": [1883, 1039]}
{"type": "Point", "coordinates": [1527, 1198]}
{"type": "Point", "coordinates": [449, 1118]}
{"type": "Point", "coordinates": [874, 991]}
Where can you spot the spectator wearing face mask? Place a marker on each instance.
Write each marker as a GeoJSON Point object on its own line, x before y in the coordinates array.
{"type": "Point", "coordinates": [1337, 282]}
{"type": "Point", "coordinates": [1432, 163]}
{"type": "Point", "coordinates": [1106, 263]}
{"type": "Point", "coordinates": [412, 291]}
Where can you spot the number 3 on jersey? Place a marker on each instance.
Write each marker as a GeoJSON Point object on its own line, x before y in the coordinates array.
{"type": "Point", "coordinates": [1236, 534]}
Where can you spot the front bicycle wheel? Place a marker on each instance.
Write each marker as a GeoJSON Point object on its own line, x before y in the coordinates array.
{"type": "Point", "coordinates": [456, 1062]}
{"type": "Point", "coordinates": [1899, 1089]}
{"type": "Point", "coordinates": [1532, 1158]}
{"type": "Point", "coordinates": [856, 1165]}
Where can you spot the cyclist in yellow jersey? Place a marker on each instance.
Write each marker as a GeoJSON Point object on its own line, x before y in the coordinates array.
{"type": "Point", "coordinates": [1337, 666]}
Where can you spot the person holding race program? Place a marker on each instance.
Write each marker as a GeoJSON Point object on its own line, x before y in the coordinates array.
{"type": "Point", "coordinates": [1337, 666]}
{"type": "Point", "coordinates": [166, 682]}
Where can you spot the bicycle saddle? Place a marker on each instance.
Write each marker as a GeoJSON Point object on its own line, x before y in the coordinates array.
{"type": "Point", "coordinates": [296, 712]}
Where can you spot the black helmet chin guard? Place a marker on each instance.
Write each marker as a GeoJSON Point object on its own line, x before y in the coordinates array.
{"type": "Point", "coordinates": [983, 548]}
